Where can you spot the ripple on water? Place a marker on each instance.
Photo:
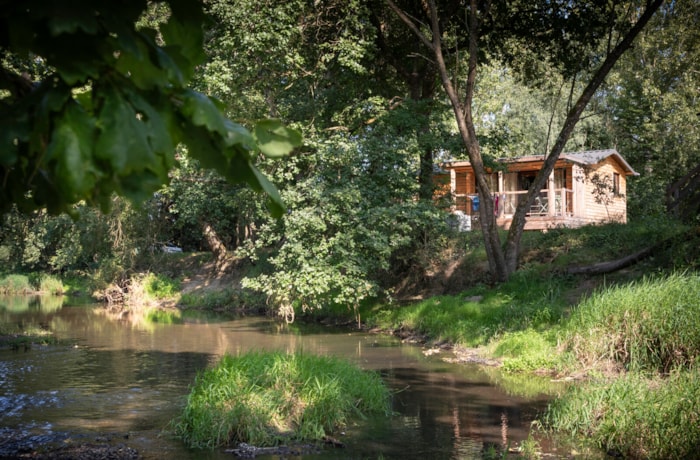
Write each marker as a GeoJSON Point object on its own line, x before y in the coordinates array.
{"type": "Point", "coordinates": [14, 405]}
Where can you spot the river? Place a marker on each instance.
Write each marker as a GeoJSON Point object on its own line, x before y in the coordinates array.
{"type": "Point", "coordinates": [122, 376]}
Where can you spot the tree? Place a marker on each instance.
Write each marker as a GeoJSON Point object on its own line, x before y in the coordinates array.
{"type": "Point", "coordinates": [651, 103]}
{"type": "Point", "coordinates": [580, 38]}
{"type": "Point", "coordinates": [112, 105]}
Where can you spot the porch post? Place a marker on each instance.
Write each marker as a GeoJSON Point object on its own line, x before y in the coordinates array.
{"type": "Point", "coordinates": [453, 188]}
{"type": "Point", "coordinates": [551, 195]}
{"type": "Point", "coordinates": [501, 201]}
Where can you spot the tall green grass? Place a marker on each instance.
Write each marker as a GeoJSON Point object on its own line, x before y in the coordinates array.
{"type": "Point", "coordinates": [49, 284]}
{"type": "Point", "coordinates": [651, 325]}
{"type": "Point", "coordinates": [647, 331]}
{"type": "Point", "coordinates": [635, 416]}
{"type": "Point", "coordinates": [267, 398]}
{"type": "Point", "coordinates": [16, 284]}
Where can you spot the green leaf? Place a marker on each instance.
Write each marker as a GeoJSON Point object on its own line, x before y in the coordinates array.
{"type": "Point", "coordinates": [157, 119]}
{"type": "Point", "coordinates": [201, 146]}
{"type": "Point", "coordinates": [275, 203]}
{"type": "Point", "coordinates": [71, 152]}
{"type": "Point", "coordinates": [123, 140]}
{"type": "Point", "coordinates": [70, 19]}
{"type": "Point", "coordinates": [238, 135]}
{"type": "Point", "coordinates": [274, 139]}
{"type": "Point", "coordinates": [13, 131]}
{"type": "Point", "coordinates": [202, 111]}
{"type": "Point", "coordinates": [184, 35]}
{"type": "Point", "coordinates": [135, 62]}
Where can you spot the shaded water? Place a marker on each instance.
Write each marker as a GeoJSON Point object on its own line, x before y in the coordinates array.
{"type": "Point", "coordinates": [113, 375]}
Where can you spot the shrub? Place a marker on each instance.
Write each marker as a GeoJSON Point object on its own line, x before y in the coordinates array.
{"type": "Point", "coordinates": [264, 398]}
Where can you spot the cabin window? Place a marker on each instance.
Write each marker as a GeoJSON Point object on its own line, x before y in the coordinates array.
{"type": "Point", "coordinates": [616, 184]}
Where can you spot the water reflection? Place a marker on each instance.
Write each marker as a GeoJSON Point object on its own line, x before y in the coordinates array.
{"type": "Point", "coordinates": [115, 375]}
{"type": "Point", "coordinates": [27, 303]}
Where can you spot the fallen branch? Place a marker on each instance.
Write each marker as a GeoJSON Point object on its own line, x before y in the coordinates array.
{"type": "Point", "coordinates": [613, 265]}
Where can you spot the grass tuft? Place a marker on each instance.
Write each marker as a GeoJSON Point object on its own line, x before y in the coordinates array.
{"type": "Point", "coordinates": [158, 286]}
{"type": "Point", "coordinates": [267, 398]}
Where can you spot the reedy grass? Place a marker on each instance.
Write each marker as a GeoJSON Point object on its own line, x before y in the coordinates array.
{"type": "Point", "coordinates": [266, 398]}
{"type": "Point", "coordinates": [635, 416]}
{"type": "Point", "coordinates": [17, 284]}
{"type": "Point", "coordinates": [651, 325]}
{"type": "Point", "coordinates": [50, 284]}
{"type": "Point", "coordinates": [648, 332]}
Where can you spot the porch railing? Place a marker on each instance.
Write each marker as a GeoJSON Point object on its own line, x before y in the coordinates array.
{"type": "Point", "coordinates": [507, 202]}
{"type": "Point", "coordinates": [558, 203]}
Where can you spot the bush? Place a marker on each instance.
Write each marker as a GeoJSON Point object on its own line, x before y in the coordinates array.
{"type": "Point", "coordinates": [265, 398]}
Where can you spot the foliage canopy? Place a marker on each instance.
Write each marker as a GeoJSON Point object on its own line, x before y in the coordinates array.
{"type": "Point", "coordinates": [93, 105]}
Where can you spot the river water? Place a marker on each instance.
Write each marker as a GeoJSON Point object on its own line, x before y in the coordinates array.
{"type": "Point", "coordinates": [128, 375]}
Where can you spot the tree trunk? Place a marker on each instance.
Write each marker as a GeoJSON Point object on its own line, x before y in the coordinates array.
{"type": "Point", "coordinates": [217, 247]}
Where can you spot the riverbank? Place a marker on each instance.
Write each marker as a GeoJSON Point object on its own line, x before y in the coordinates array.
{"type": "Point", "coordinates": [527, 325]}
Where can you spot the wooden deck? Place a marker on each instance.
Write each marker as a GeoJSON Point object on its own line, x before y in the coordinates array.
{"type": "Point", "coordinates": [544, 222]}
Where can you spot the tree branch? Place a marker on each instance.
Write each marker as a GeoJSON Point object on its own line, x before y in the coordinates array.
{"type": "Point", "coordinates": [411, 25]}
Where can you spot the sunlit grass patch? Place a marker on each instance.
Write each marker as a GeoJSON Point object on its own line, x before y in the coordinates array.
{"type": "Point", "coordinates": [267, 398]}
{"type": "Point", "coordinates": [527, 350]}
{"type": "Point", "coordinates": [480, 315]}
{"type": "Point", "coordinates": [158, 286]}
{"type": "Point", "coordinates": [49, 284]}
{"type": "Point", "coordinates": [634, 416]}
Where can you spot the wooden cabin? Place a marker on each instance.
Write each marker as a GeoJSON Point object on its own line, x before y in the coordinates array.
{"type": "Point", "coordinates": [584, 188]}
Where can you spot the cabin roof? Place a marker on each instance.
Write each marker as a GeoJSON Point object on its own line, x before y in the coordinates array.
{"type": "Point", "coordinates": [588, 157]}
